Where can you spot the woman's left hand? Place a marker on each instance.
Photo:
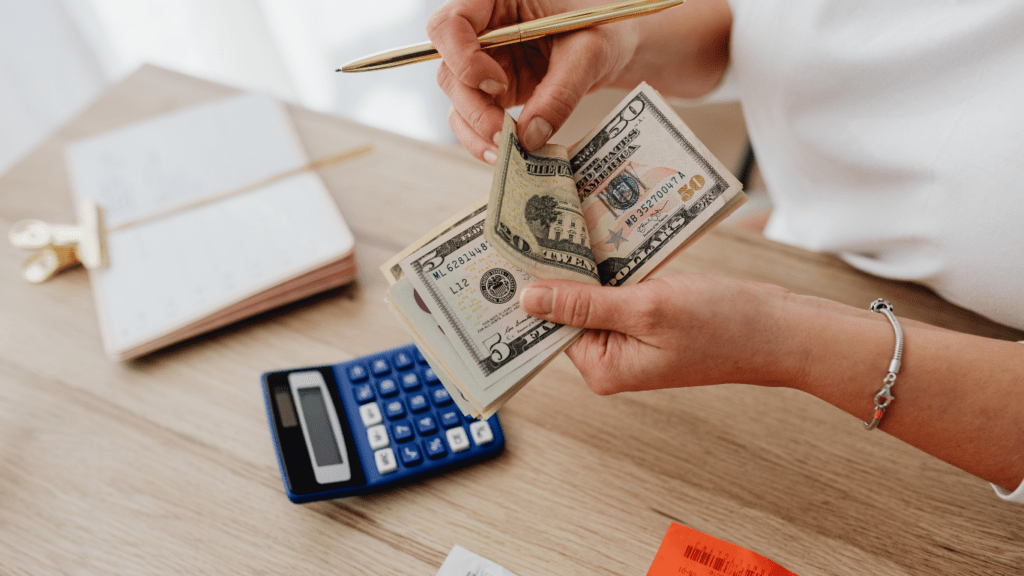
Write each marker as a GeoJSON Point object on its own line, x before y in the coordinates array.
{"type": "Point", "coordinates": [673, 331]}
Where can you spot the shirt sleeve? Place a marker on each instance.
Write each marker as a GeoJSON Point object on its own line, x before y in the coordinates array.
{"type": "Point", "coordinates": [1015, 496]}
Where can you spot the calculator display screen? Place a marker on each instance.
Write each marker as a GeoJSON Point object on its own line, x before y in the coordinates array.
{"type": "Point", "coordinates": [314, 411]}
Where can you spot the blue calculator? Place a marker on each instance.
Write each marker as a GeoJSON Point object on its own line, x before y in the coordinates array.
{"type": "Point", "coordinates": [369, 424]}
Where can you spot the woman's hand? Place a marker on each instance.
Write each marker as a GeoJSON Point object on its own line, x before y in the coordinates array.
{"type": "Point", "coordinates": [958, 396]}
{"type": "Point", "coordinates": [673, 331]}
{"type": "Point", "coordinates": [682, 51]}
{"type": "Point", "coordinates": [549, 75]}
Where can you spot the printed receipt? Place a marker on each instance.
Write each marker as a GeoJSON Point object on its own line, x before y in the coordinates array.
{"type": "Point", "coordinates": [687, 552]}
{"type": "Point", "coordinates": [462, 562]}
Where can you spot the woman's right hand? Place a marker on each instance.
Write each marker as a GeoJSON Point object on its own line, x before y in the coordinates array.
{"type": "Point", "coordinates": [548, 76]}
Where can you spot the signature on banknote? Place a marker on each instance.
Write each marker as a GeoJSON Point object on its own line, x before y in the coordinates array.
{"type": "Point", "coordinates": [652, 222]}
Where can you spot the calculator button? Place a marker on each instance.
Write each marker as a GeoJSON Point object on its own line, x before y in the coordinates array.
{"type": "Point", "coordinates": [419, 357]}
{"type": "Point", "coordinates": [378, 436]}
{"type": "Point", "coordinates": [403, 361]}
{"type": "Point", "coordinates": [411, 454]}
{"type": "Point", "coordinates": [410, 381]}
{"type": "Point", "coordinates": [441, 397]}
{"type": "Point", "coordinates": [481, 432]}
{"type": "Point", "coordinates": [457, 440]}
{"type": "Point", "coordinates": [450, 418]}
{"type": "Point", "coordinates": [380, 367]}
{"type": "Point", "coordinates": [387, 387]}
{"type": "Point", "coordinates": [357, 372]}
{"type": "Point", "coordinates": [426, 424]}
{"type": "Point", "coordinates": [370, 413]}
{"type": "Point", "coordinates": [385, 460]}
{"type": "Point", "coordinates": [430, 376]}
{"type": "Point", "coordinates": [402, 430]}
{"type": "Point", "coordinates": [418, 403]}
{"type": "Point", "coordinates": [435, 447]}
{"type": "Point", "coordinates": [363, 393]}
{"type": "Point", "coordinates": [394, 409]}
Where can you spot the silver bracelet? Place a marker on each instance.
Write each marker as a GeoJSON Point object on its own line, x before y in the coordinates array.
{"type": "Point", "coordinates": [884, 396]}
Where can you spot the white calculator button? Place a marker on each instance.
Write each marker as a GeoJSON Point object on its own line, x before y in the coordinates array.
{"type": "Point", "coordinates": [378, 436]}
{"type": "Point", "coordinates": [385, 460]}
{"type": "Point", "coordinates": [370, 413]}
{"type": "Point", "coordinates": [457, 440]}
{"type": "Point", "coordinates": [481, 432]}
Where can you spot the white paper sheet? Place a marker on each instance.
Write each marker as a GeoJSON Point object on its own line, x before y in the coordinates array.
{"type": "Point", "coordinates": [462, 562]}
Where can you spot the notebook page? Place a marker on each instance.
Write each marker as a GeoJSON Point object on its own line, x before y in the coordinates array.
{"type": "Point", "coordinates": [184, 156]}
{"type": "Point", "coordinates": [173, 271]}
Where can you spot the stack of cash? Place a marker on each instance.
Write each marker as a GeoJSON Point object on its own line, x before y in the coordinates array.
{"type": "Point", "coordinates": [609, 211]}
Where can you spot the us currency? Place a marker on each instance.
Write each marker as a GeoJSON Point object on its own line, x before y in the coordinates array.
{"type": "Point", "coordinates": [393, 271]}
{"type": "Point", "coordinates": [479, 399]}
{"type": "Point", "coordinates": [412, 312]}
{"type": "Point", "coordinates": [533, 214]}
{"type": "Point", "coordinates": [460, 381]}
{"type": "Point", "coordinates": [644, 187]}
{"type": "Point", "coordinates": [473, 294]}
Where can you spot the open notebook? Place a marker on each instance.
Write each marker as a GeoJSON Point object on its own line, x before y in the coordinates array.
{"type": "Point", "coordinates": [210, 217]}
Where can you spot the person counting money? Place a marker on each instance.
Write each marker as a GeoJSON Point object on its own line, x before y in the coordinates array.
{"type": "Point", "coordinates": [888, 134]}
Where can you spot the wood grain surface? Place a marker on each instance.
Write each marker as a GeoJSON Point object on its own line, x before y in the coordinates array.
{"type": "Point", "coordinates": [165, 464]}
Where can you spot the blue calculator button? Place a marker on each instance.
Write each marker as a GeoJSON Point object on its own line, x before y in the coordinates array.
{"type": "Point", "coordinates": [426, 425]}
{"type": "Point", "coordinates": [411, 454]}
{"type": "Point", "coordinates": [418, 403]}
{"type": "Point", "coordinates": [450, 418]}
{"type": "Point", "coordinates": [441, 397]}
{"type": "Point", "coordinates": [380, 367]}
{"type": "Point", "coordinates": [401, 430]}
{"type": "Point", "coordinates": [403, 361]}
{"type": "Point", "coordinates": [410, 381]}
{"type": "Point", "coordinates": [363, 393]}
{"type": "Point", "coordinates": [387, 387]}
{"type": "Point", "coordinates": [357, 372]}
{"type": "Point", "coordinates": [435, 447]}
{"type": "Point", "coordinates": [394, 409]}
{"type": "Point", "coordinates": [419, 357]}
{"type": "Point", "coordinates": [430, 377]}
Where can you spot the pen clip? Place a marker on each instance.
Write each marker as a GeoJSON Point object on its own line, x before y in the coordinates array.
{"type": "Point", "coordinates": [60, 246]}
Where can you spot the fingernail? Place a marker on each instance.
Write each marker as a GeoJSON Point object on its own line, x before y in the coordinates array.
{"type": "Point", "coordinates": [537, 133]}
{"type": "Point", "coordinates": [497, 138]}
{"type": "Point", "coordinates": [537, 301]}
{"type": "Point", "coordinates": [490, 157]}
{"type": "Point", "coordinates": [493, 87]}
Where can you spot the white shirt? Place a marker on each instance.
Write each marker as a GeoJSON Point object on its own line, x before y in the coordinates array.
{"type": "Point", "coordinates": [892, 134]}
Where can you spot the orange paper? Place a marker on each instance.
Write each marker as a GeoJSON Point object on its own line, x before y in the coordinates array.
{"type": "Point", "coordinates": [687, 552]}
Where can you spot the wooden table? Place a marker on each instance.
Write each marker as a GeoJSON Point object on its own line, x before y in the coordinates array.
{"type": "Point", "coordinates": [165, 465]}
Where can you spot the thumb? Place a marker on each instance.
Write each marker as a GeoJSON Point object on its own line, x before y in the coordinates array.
{"type": "Point", "coordinates": [576, 304]}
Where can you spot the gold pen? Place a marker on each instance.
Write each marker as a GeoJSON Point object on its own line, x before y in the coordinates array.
{"type": "Point", "coordinates": [522, 32]}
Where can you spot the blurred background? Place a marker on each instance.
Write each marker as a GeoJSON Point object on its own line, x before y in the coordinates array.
{"type": "Point", "coordinates": [56, 56]}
